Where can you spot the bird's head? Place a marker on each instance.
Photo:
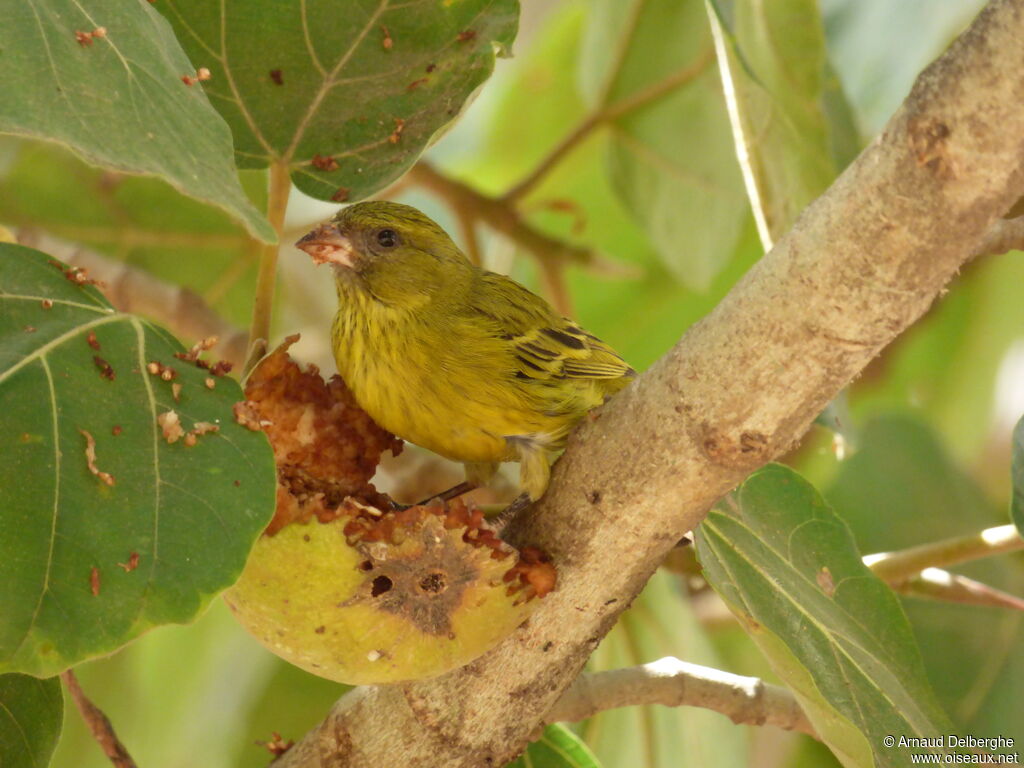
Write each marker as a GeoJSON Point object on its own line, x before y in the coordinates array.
{"type": "Point", "coordinates": [390, 250]}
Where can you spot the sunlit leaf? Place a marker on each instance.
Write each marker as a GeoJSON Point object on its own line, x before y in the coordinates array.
{"type": "Point", "coordinates": [651, 64]}
{"type": "Point", "coordinates": [31, 711]}
{"type": "Point", "coordinates": [109, 527]}
{"type": "Point", "coordinates": [787, 566]}
{"type": "Point", "coordinates": [558, 747]}
{"type": "Point", "coordinates": [104, 78]}
{"type": "Point", "coordinates": [348, 94]}
{"type": "Point", "coordinates": [772, 59]}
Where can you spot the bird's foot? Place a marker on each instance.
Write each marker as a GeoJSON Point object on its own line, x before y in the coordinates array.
{"type": "Point", "coordinates": [451, 493]}
{"type": "Point", "coordinates": [509, 513]}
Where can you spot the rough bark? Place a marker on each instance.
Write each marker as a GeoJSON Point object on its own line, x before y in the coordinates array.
{"type": "Point", "coordinates": [743, 385]}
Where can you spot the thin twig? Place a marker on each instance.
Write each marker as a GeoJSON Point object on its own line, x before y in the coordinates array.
{"type": "Point", "coordinates": [99, 724]}
{"type": "Point", "coordinates": [905, 563]}
{"type": "Point", "coordinates": [675, 683]}
{"type": "Point", "coordinates": [1004, 235]}
{"type": "Point", "coordinates": [607, 114]}
{"type": "Point", "coordinates": [499, 216]}
{"type": "Point", "coordinates": [467, 228]}
{"type": "Point", "coordinates": [937, 584]}
{"type": "Point", "coordinates": [266, 278]}
{"type": "Point", "coordinates": [552, 277]}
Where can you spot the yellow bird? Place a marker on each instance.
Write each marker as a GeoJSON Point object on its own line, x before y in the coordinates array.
{"type": "Point", "coordinates": [464, 362]}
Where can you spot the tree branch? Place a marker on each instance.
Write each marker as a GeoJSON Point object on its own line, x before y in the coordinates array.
{"type": "Point", "coordinates": [607, 114]}
{"type": "Point", "coordinates": [937, 584]}
{"type": "Point", "coordinates": [675, 683]}
{"type": "Point", "coordinates": [266, 277]}
{"type": "Point", "coordinates": [99, 724]}
{"type": "Point", "coordinates": [498, 215]}
{"type": "Point", "coordinates": [860, 265]}
{"type": "Point", "coordinates": [1004, 235]}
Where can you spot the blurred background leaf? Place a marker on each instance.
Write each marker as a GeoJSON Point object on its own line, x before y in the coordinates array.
{"type": "Point", "coordinates": [787, 566]}
{"type": "Point", "coordinates": [136, 219]}
{"type": "Point", "coordinates": [649, 64]}
{"type": "Point", "coordinates": [98, 71]}
{"type": "Point", "coordinates": [215, 688]}
{"type": "Point", "coordinates": [109, 528]}
{"type": "Point", "coordinates": [31, 711]}
{"type": "Point", "coordinates": [772, 56]}
{"type": "Point", "coordinates": [345, 95]}
{"type": "Point", "coordinates": [661, 623]}
{"type": "Point", "coordinates": [901, 489]}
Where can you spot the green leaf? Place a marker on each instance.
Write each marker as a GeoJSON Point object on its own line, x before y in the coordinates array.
{"type": "Point", "coordinates": [74, 370]}
{"type": "Point", "coordinates": [1017, 504]}
{"type": "Point", "coordinates": [787, 566]}
{"type": "Point", "coordinates": [118, 101]}
{"type": "Point", "coordinates": [31, 711]}
{"type": "Point", "coordinates": [671, 157]}
{"type": "Point", "coordinates": [661, 623]}
{"type": "Point", "coordinates": [364, 86]}
{"type": "Point", "coordinates": [558, 747]}
{"type": "Point", "coordinates": [902, 489]}
{"type": "Point", "coordinates": [772, 57]}
{"type": "Point", "coordinates": [140, 220]}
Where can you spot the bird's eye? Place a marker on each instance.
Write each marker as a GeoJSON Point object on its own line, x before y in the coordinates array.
{"type": "Point", "coordinates": [387, 238]}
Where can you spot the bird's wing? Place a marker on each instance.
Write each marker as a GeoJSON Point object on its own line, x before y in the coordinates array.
{"type": "Point", "coordinates": [545, 345]}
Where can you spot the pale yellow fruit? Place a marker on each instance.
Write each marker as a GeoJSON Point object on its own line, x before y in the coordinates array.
{"type": "Point", "coordinates": [416, 606]}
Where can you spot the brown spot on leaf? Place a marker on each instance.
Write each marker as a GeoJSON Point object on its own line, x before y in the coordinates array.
{"type": "Point", "coordinates": [322, 163]}
{"type": "Point", "coordinates": [117, 430]}
{"type": "Point", "coordinates": [47, 303]}
{"type": "Point", "coordinates": [90, 459]}
{"type": "Point", "coordinates": [94, 581]}
{"type": "Point", "coordinates": [170, 426]}
{"type": "Point", "coordinates": [132, 564]}
{"type": "Point", "coordinates": [276, 77]}
{"type": "Point", "coordinates": [84, 38]}
{"type": "Point", "coordinates": [417, 83]}
{"type": "Point", "coordinates": [466, 35]}
{"type": "Point", "coordinates": [824, 577]}
{"type": "Point", "coordinates": [396, 135]}
{"type": "Point", "coordinates": [386, 43]}
{"type": "Point", "coordinates": [77, 275]}
{"type": "Point", "coordinates": [247, 415]}
{"type": "Point", "coordinates": [340, 195]}
{"type": "Point", "coordinates": [106, 371]}
{"type": "Point", "coordinates": [91, 340]}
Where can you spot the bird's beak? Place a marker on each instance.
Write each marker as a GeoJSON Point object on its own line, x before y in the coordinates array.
{"type": "Point", "coordinates": [328, 246]}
